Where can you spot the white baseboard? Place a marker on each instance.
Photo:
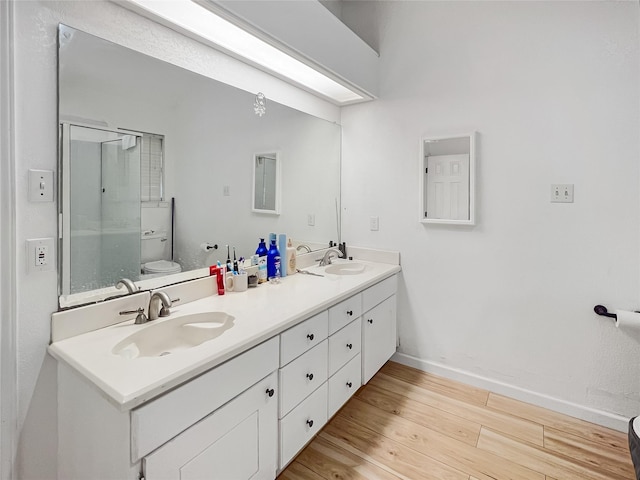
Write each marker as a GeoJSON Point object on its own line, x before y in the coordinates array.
{"type": "Point", "coordinates": [600, 417]}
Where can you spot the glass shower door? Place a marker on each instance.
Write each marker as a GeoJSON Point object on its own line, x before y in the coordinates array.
{"type": "Point", "coordinates": [101, 205]}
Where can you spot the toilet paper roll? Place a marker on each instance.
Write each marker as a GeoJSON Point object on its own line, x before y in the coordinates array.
{"type": "Point", "coordinates": [628, 322]}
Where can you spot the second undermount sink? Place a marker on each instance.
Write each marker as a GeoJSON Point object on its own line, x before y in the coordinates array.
{"type": "Point", "coordinates": [174, 335]}
{"type": "Point", "coordinates": [346, 268]}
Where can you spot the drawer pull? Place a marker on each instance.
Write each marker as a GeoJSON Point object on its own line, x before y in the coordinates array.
{"type": "Point", "coordinates": [270, 392]}
{"type": "Point", "coordinates": [350, 312]}
{"type": "Point", "coordinates": [349, 346]}
{"type": "Point", "coordinates": [310, 376]}
{"type": "Point", "coordinates": [310, 423]}
{"type": "Point", "coordinates": [349, 384]}
{"type": "Point", "coordinates": [310, 337]}
{"type": "Point", "coordinates": [370, 321]}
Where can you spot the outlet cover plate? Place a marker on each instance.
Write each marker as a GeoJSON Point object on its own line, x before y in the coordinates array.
{"type": "Point", "coordinates": [41, 254]}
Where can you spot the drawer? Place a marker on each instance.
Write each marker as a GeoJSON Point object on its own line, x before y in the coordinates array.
{"type": "Point", "coordinates": [158, 421]}
{"type": "Point", "coordinates": [343, 385]}
{"type": "Point", "coordinates": [297, 340]}
{"type": "Point", "coordinates": [344, 312]}
{"type": "Point", "coordinates": [375, 294]}
{"type": "Point", "coordinates": [302, 376]}
{"type": "Point", "coordinates": [300, 426]}
{"type": "Point", "coordinates": [344, 345]}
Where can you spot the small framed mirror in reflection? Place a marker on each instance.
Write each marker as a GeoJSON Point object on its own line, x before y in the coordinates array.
{"type": "Point", "coordinates": [447, 179]}
{"type": "Point", "coordinates": [266, 183]}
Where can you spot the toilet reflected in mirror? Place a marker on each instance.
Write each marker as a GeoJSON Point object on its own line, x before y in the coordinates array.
{"type": "Point", "coordinates": [447, 179]}
{"type": "Point", "coordinates": [155, 254]}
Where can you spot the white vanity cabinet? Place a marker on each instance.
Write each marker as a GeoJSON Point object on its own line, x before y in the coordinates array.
{"type": "Point", "coordinates": [221, 424]}
{"type": "Point", "coordinates": [379, 334]}
{"type": "Point", "coordinates": [245, 418]}
{"type": "Point", "coordinates": [235, 441]}
{"type": "Point", "coordinates": [324, 360]}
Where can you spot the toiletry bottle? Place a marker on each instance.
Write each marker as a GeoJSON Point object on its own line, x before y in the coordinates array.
{"type": "Point", "coordinates": [291, 259]}
{"type": "Point", "coordinates": [261, 252]}
{"type": "Point", "coordinates": [273, 261]}
{"type": "Point", "coordinates": [282, 248]}
{"type": "Point", "coordinates": [220, 279]}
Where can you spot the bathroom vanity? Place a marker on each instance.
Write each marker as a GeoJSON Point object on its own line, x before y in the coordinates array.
{"type": "Point", "coordinates": [239, 405]}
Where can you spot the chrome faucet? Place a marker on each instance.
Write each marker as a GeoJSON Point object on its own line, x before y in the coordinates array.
{"type": "Point", "coordinates": [125, 282]}
{"type": "Point", "coordinates": [155, 310]}
{"type": "Point", "coordinates": [303, 246]}
{"type": "Point", "coordinates": [328, 255]}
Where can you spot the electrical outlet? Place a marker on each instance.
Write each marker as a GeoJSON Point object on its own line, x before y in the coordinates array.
{"type": "Point", "coordinates": [40, 254]}
{"type": "Point", "coordinates": [562, 193]}
{"type": "Point", "coordinates": [226, 190]}
{"type": "Point", "coordinates": [311, 219]}
{"type": "Point", "coordinates": [374, 224]}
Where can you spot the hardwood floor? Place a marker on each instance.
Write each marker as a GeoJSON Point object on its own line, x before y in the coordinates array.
{"type": "Point", "coordinates": [411, 425]}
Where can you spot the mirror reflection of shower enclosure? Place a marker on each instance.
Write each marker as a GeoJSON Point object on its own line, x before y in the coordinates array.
{"type": "Point", "coordinates": [266, 183]}
{"type": "Point", "coordinates": [101, 209]}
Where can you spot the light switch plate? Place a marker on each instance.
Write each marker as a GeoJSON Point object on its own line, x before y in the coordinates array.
{"type": "Point", "coordinates": [374, 224]}
{"type": "Point", "coordinates": [562, 193]}
{"type": "Point", "coordinates": [40, 185]}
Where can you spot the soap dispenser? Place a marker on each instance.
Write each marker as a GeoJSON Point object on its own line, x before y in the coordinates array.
{"type": "Point", "coordinates": [291, 258]}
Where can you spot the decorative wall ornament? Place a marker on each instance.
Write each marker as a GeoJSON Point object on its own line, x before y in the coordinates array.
{"type": "Point", "coordinates": [260, 104]}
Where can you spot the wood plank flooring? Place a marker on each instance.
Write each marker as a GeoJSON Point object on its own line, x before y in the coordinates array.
{"type": "Point", "coordinates": [411, 425]}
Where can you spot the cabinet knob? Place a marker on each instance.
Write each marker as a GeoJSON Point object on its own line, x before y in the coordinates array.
{"type": "Point", "coordinates": [270, 392]}
{"type": "Point", "coordinates": [310, 336]}
{"type": "Point", "coordinates": [310, 376]}
{"type": "Point", "coordinates": [370, 320]}
{"type": "Point", "coordinates": [310, 423]}
{"type": "Point", "coordinates": [349, 346]}
{"type": "Point", "coordinates": [349, 312]}
{"type": "Point", "coordinates": [349, 384]}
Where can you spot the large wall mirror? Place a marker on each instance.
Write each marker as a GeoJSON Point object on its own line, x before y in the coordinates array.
{"type": "Point", "coordinates": [157, 160]}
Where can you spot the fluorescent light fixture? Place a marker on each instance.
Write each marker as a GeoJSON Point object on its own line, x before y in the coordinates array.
{"type": "Point", "coordinates": [202, 22]}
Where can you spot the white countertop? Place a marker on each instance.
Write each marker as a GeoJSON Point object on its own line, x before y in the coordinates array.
{"type": "Point", "coordinates": [260, 313]}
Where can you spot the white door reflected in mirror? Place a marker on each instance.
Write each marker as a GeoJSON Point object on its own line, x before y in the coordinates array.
{"type": "Point", "coordinates": [447, 179]}
{"type": "Point", "coordinates": [266, 183]}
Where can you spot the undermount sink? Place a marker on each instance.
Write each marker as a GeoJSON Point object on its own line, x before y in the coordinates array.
{"type": "Point", "coordinates": [347, 268]}
{"type": "Point", "coordinates": [174, 335]}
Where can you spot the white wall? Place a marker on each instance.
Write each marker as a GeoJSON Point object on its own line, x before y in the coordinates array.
{"type": "Point", "coordinates": [35, 139]}
{"type": "Point", "coordinates": [552, 88]}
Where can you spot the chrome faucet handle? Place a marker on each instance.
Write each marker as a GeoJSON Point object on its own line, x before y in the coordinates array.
{"type": "Point", "coordinates": [140, 318]}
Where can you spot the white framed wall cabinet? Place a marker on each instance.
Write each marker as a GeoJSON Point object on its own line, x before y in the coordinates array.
{"type": "Point", "coordinates": [448, 179]}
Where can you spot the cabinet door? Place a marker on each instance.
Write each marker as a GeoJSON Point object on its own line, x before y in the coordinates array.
{"type": "Point", "coordinates": [378, 337]}
{"type": "Point", "coordinates": [236, 442]}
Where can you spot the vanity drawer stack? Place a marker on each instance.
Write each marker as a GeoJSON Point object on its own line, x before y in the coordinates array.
{"type": "Point", "coordinates": [303, 392]}
{"type": "Point", "coordinates": [320, 368]}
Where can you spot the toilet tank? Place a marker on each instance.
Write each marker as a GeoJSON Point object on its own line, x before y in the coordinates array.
{"type": "Point", "coordinates": [154, 245]}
